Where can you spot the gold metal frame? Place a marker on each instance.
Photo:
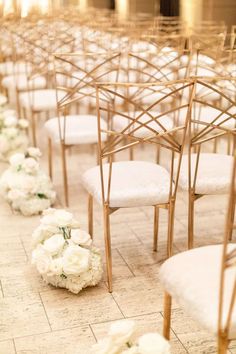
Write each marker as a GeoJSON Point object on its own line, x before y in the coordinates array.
{"type": "Point", "coordinates": [153, 136]}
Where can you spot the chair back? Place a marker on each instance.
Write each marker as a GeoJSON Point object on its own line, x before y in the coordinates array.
{"type": "Point", "coordinates": [141, 124]}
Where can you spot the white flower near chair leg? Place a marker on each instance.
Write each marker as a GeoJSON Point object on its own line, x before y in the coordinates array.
{"type": "Point", "coordinates": [63, 254]}
{"type": "Point", "coordinates": [25, 186]}
{"type": "Point", "coordinates": [120, 340]}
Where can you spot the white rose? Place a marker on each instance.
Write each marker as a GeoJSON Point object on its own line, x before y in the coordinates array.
{"type": "Point", "coordinates": [10, 121]}
{"type": "Point", "coordinates": [42, 233]}
{"type": "Point", "coordinates": [153, 343]}
{"type": "Point", "coordinates": [4, 144]}
{"type": "Point", "coordinates": [105, 346]}
{"type": "Point", "coordinates": [57, 217]}
{"type": "Point", "coordinates": [56, 266]}
{"type": "Point", "coordinates": [9, 112]}
{"type": "Point", "coordinates": [54, 244]}
{"type": "Point", "coordinates": [81, 237]}
{"type": "Point", "coordinates": [75, 260]}
{"type": "Point", "coordinates": [121, 331]}
{"type": "Point", "coordinates": [15, 194]}
{"type": "Point", "coordinates": [42, 259]}
{"type": "Point", "coordinates": [10, 132]}
{"type": "Point", "coordinates": [23, 123]}
{"type": "Point", "coordinates": [30, 165]}
{"type": "Point", "coordinates": [34, 152]}
{"type": "Point", "coordinates": [17, 159]}
{"type": "Point", "coordinates": [133, 350]}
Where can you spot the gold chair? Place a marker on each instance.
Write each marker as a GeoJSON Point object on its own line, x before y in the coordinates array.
{"type": "Point", "coordinates": [203, 282]}
{"type": "Point", "coordinates": [126, 184]}
{"type": "Point", "coordinates": [201, 172]}
{"type": "Point", "coordinates": [76, 120]}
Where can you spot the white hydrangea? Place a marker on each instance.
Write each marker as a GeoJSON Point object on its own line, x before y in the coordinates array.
{"type": "Point", "coordinates": [13, 134]}
{"type": "Point", "coordinates": [28, 189]}
{"type": "Point", "coordinates": [73, 265]}
{"type": "Point", "coordinates": [119, 340]}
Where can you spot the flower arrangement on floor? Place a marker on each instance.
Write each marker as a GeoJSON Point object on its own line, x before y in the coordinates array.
{"type": "Point", "coordinates": [119, 341]}
{"type": "Point", "coordinates": [13, 134]}
{"type": "Point", "coordinates": [25, 186]}
{"type": "Point", "coordinates": [63, 253]}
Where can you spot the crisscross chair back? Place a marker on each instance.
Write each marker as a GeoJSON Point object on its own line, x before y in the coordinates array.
{"type": "Point", "coordinates": [75, 77]}
{"type": "Point", "coordinates": [210, 121]}
{"type": "Point", "coordinates": [142, 124]}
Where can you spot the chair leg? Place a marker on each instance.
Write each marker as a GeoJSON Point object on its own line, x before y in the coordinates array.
{"type": "Point", "coordinates": [158, 152]}
{"type": "Point", "coordinates": [107, 238]}
{"type": "Point", "coordinates": [50, 167]}
{"type": "Point", "coordinates": [155, 228]}
{"type": "Point", "coordinates": [33, 122]}
{"type": "Point", "coordinates": [170, 229]}
{"type": "Point", "coordinates": [222, 344]}
{"type": "Point", "coordinates": [64, 170]}
{"type": "Point", "coordinates": [191, 219]}
{"type": "Point", "coordinates": [167, 316]}
{"type": "Point", "coordinates": [90, 215]}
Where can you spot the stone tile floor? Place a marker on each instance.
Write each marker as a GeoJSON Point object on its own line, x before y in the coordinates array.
{"type": "Point", "coordinates": [39, 319]}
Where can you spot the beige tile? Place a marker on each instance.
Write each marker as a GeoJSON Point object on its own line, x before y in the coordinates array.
{"type": "Point", "coordinates": [139, 256]}
{"type": "Point", "coordinates": [12, 251]}
{"type": "Point", "coordinates": [21, 316]}
{"type": "Point", "coordinates": [120, 268]}
{"type": "Point", "coordinates": [194, 338]}
{"type": "Point", "coordinates": [138, 295]}
{"type": "Point", "coordinates": [69, 341]}
{"type": "Point", "coordinates": [143, 324]}
{"type": "Point", "coordinates": [92, 305]}
{"type": "Point", "coordinates": [21, 280]}
{"type": "Point", "coordinates": [7, 347]}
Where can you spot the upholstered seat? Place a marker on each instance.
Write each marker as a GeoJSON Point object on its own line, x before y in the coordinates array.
{"type": "Point", "coordinates": [207, 114]}
{"type": "Point", "coordinates": [133, 183]}
{"type": "Point", "coordinates": [119, 123]}
{"type": "Point", "coordinates": [214, 173]}
{"type": "Point", "coordinates": [192, 278]}
{"type": "Point", "coordinates": [40, 100]}
{"type": "Point", "coordinates": [79, 129]}
{"type": "Point", "coordinates": [150, 98]}
{"type": "Point", "coordinates": [10, 67]}
{"type": "Point", "coordinates": [20, 82]}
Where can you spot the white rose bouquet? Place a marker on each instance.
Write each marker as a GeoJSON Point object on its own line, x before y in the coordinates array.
{"type": "Point", "coordinates": [63, 253]}
{"type": "Point", "coordinates": [13, 134]}
{"type": "Point", "coordinates": [119, 341]}
{"type": "Point", "coordinates": [25, 186]}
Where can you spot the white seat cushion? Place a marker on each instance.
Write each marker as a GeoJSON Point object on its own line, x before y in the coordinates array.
{"type": "Point", "coordinates": [214, 173]}
{"type": "Point", "coordinates": [79, 129]}
{"type": "Point", "coordinates": [20, 82]}
{"type": "Point", "coordinates": [119, 123]}
{"type": "Point", "coordinates": [193, 279]}
{"type": "Point", "coordinates": [10, 67]}
{"type": "Point", "coordinates": [40, 100]}
{"type": "Point", "coordinates": [133, 183]}
{"type": "Point", "coordinates": [207, 114]}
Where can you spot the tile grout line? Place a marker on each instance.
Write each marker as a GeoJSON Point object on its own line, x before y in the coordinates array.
{"type": "Point", "coordinates": [1, 288]}
{"type": "Point", "coordinates": [45, 312]}
{"type": "Point", "coordinates": [176, 335]}
{"type": "Point", "coordinates": [117, 249]}
{"type": "Point", "coordinates": [90, 326]}
{"type": "Point", "coordinates": [22, 244]}
{"type": "Point", "coordinates": [13, 340]}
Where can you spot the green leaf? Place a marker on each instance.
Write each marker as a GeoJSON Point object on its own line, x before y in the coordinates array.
{"type": "Point", "coordinates": [63, 276]}
{"type": "Point", "coordinates": [41, 196]}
